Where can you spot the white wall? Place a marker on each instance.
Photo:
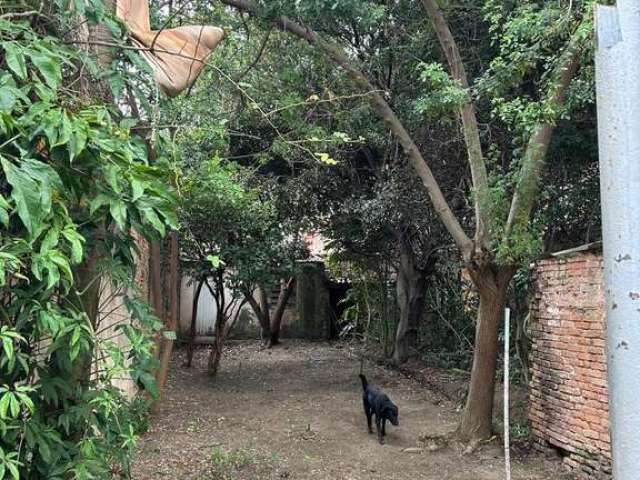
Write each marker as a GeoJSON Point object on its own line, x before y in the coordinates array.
{"type": "Point", "coordinates": [205, 320]}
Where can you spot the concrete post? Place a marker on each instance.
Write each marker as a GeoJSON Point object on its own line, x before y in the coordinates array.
{"type": "Point", "coordinates": [312, 301]}
{"type": "Point", "coordinates": [618, 97]}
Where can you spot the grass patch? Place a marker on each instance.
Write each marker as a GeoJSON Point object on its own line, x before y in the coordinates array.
{"type": "Point", "coordinates": [240, 464]}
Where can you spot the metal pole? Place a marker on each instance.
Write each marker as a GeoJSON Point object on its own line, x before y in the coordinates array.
{"type": "Point", "coordinates": [507, 454]}
{"type": "Point", "coordinates": [618, 97]}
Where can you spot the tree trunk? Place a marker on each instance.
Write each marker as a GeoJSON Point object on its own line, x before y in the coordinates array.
{"type": "Point", "coordinates": [261, 310]}
{"type": "Point", "coordinates": [492, 283]}
{"type": "Point", "coordinates": [172, 320]}
{"type": "Point", "coordinates": [265, 314]}
{"type": "Point", "coordinates": [410, 287]}
{"type": "Point", "coordinates": [416, 310]}
{"type": "Point", "coordinates": [276, 321]}
{"type": "Point", "coordinates": [221, 319]}
{"type": "Point", "coordinates": [192, 328]}
{"type": "Point", "coordinates": [155, 291]}
{"type": "Point", "coordinates": [216, 350]}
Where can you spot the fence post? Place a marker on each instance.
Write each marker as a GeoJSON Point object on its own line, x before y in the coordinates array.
{"type": "Point", "coordinates": [507, 454]}
{"type": "Point", "coordinates": [618, 98]}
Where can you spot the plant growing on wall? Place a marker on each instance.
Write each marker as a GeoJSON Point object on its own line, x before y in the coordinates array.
{"type": "Point", "coordinates": [77, 194]}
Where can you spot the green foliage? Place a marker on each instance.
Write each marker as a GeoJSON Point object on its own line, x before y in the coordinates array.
{"type": "Point", "coordinates": [444, 96]}
{"type": "Point", "coordinates": [226, 464]}
{"type": "Point", "coordinates": [233, 228]}
{"type": "Point", "coordinates": [76, 184]}
{"type": "Point", "coordinates": [372, 309]}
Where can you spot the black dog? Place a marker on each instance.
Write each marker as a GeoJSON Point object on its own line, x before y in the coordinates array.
{"type": "Point", "coordinates": [378, 404]}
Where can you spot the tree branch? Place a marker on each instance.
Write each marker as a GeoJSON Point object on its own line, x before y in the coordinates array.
{"type": "Point", "coordinates": [255, 61]}
{"type": "Point", "coordinates": [534, 158]}
{"type": "Point", "coordinates": [384, 111]}
{"type": "Point", "coordinates": [19, 14]}
{"type": "Point", "coordinates": [469, 121]}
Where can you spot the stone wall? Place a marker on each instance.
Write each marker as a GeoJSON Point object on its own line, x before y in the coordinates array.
{"type": "Point", "coordinates": [568, 391]}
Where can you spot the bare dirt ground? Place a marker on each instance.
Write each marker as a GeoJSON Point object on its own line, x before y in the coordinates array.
{"type": "Point", "coordinates": [295, 412]}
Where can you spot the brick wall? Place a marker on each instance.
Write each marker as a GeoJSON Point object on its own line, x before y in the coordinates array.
{"type": "Point", "coordinates": [568, 391]}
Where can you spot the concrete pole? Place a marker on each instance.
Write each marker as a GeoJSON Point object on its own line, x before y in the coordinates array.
{"type": "Point", "coordinates": [618, 98]}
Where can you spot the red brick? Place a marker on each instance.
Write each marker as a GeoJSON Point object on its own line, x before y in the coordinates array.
{"type": "Point", "coordinates": [568, 389]}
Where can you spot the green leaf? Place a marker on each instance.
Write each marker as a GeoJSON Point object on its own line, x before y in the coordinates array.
{"type": "Point", "coordinates": [149, 383]}
{"type": "Point", "coordinates": [15, 60]}
{"type": "Point", "coordinates": [76, 240]}
{"type": "Point", "coordinates": [62, 262]}
{"type": "Point", "coordinates": [8, 98]}
{"type": "Point", "coordinates": [4, 217]}
{"type": "Point", "coordinates": [25, 193]}
{"type": "Point", "coordinates": [14, 471]}
{"type": "Point", "coordinates": [50, 240]}
{"type": "Point", "coordinates": [76, 336]}
{"type": "Point", "coordinates": [111, 173]}
{"type": "Point", "coordinates": [53, 276]}
{"type": "Point", "coordinates": [7, 345]}
{"type": "Point", "coordinates": [326, 159]}
{"type": "Point", "coordinates": [97, 202]}
{"type": "Point", "coordinates": [215, 261]}
{"type": "Point", "coordinates": [48, 66]}
{"type": "Point", "coordinates": [152, 217]}
{"type": "Point", "coordinates": [137, 188]}
{"type": "Point", "coordinates": [118, 211]}
{"type": "Point", "coordinates": [14, 406]}
{"type": "Point", "coordinates": [65, 130]}
{"type": "Point", "coordinates": [75, 351]}
{"type": "Point", "coordinates": [4, 404]}
{"type": "Point", "coordinates": [77, 141]}
{"type": "Point", "coordinates": [44, 450]}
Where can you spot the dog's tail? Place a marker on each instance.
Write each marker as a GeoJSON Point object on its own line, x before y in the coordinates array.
{"type": "Point", "coordinates": [363, 379]}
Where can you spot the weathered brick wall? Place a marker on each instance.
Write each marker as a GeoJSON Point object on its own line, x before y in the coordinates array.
{"type": "Point", "coordinates": [568, 391]}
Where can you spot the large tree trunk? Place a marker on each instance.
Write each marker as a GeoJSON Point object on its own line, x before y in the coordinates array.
{"type": "Point", "coordinates": [492, 284]}
{"type": "Point", "coordinates": [192, 328]}
{"type": "Point", "coordinates": [276, 321]}
{"type": "Point", "coordinates": [410, 286]}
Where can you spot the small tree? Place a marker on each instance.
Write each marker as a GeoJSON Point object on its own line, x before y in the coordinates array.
{"type": "Point", "coordinates": [231, 245]}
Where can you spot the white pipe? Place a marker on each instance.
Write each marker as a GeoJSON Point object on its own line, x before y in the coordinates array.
{"type": "Point", "coordinates": [507, 454]}
{"type": "Point", "coordinates": [618, 97]}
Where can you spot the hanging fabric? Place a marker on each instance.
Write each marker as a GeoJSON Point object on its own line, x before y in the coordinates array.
{"type": "Point", "coordinates": [176, 55]}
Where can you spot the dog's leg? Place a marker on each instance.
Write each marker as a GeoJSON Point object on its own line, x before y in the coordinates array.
{"type": "Point", "coordinates": [379, 427]}
{"type": "Point", "coordinates": [384, 421]}
{"type": "Point", "coordinates": [368, 412]}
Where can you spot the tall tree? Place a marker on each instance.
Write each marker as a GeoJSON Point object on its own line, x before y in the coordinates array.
{"type": "Point", "coordinates": [536, 41]}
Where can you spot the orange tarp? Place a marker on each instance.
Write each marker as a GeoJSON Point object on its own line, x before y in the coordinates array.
{"type": "Point", "coordinates": [176, 55]}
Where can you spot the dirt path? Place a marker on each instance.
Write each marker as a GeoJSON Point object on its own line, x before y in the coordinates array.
{"type": "Point", "coordinates": [296, 413]}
